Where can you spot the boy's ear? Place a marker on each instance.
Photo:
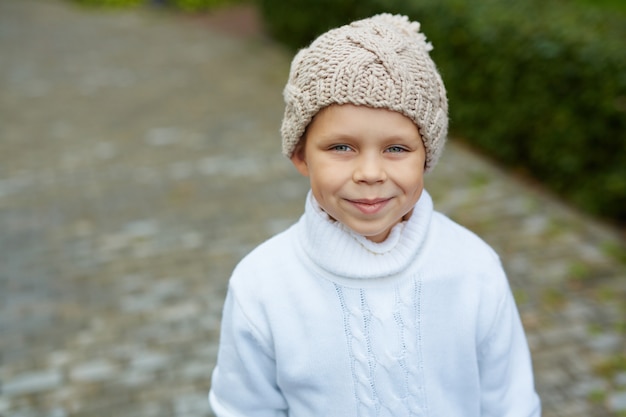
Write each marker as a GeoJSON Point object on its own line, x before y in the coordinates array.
{"type": "Point", "coordinates": [298, 159]}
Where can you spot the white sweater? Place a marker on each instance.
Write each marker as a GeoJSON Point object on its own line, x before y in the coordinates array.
{"type": "Point", "coordinates": [321, 322]}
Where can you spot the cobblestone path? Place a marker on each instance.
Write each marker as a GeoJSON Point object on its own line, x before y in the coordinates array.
{"type": "Point", "coordinates": [139, 160]}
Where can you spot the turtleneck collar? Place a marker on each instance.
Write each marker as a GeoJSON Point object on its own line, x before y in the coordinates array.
{"type": "Point", "coordinates": [342, 252]}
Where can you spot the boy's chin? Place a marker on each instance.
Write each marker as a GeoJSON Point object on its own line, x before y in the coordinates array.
{"type": "Point", "coordinates": [376, 236]}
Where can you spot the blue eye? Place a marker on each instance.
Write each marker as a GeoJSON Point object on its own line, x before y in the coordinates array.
{"type": "Point", "coordinates": [396, 149]}
{"type": "Point", "coordinates": [340, 148]}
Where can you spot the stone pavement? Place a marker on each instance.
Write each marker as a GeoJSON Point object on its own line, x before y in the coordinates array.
{"type": "Point", "coordinates": [139, 160]}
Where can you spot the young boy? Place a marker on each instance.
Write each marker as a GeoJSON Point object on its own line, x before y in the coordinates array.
{"type": "Point", "coordinates": [372, 304]}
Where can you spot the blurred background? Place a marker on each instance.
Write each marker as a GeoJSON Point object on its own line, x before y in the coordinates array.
{"type": "Point", "coordinates": [140, 160]}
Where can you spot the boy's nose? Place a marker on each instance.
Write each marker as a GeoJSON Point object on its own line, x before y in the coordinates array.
{"type": "Point", "coordinates": [369, 169]}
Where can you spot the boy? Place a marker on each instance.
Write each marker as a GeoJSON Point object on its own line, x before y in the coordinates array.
{"type": "Point", "coordinates": [372, 304]}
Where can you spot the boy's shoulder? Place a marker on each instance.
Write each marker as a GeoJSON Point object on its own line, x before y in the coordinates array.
{"type": "Point", "coordinates": [460, 258]}
{"type": "Point", "coordinates": [269, 257]}
{"type": "Point", "coordinates": [460, 241]}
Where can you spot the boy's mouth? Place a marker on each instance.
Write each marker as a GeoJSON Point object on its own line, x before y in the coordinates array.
{"type": "Point", "coordinates": [367, 206]}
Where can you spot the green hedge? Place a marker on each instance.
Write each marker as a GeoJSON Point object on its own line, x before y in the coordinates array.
{"type": "Point", "coordinates": [539, 85]}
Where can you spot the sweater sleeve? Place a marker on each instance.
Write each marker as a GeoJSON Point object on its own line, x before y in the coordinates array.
{"type": "Point", "coordinates": [506, 376]}
{"type": "Point", "coordinates": [244, 380]}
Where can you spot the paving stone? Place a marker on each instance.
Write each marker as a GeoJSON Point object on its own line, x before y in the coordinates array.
{"type": "Point", "coordinates": [590, 386]}
{"type": "Point", "coordinates": [32, 382]}
{"type": "Point", "coordinates": [97, 370]}
{"type": "Point", "coordinates": [149, 361]}
{"type": "Point", "coordinates": [607, 342]}
{"type": "Point", "coordinates": [191, 405]}
{"type": "Point", "coordinates": [136, 378]}
{"type": "Point", "coordinates": [4, 405]}
{"type": "Point", "coordinates": [617, 401]}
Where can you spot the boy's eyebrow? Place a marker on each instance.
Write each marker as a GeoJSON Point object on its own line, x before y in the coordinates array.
{"type": "Point", "coordinates": [332, 136]}
{"type": "Point", "coordinates": [410, 135]}
{"type": "Point", "coordinates": [338, 136]}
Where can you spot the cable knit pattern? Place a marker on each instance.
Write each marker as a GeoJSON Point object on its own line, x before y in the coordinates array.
{"type": "Point", "coordinates": [384, 348]}
{"type": "Point", "coordinates": [330, 243]}
{"type": "Point", "coordinates": [380, 62]}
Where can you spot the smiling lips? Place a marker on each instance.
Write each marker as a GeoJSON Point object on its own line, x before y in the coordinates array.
{"type": "Point", "coordinates": [366, 206]}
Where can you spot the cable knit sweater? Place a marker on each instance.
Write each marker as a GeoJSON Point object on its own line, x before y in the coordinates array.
{"type": "Point", "coordinates": [321, 322]}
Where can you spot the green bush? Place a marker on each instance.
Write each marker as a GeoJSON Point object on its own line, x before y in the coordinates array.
{"type": "Point", "coordinates": [195, 5]}
{"type": "Point", "coordinates": [541, 86]}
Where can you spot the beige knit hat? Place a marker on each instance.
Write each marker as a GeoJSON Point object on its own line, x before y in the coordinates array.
{"type": "Point", "coordinates": [380, 62]}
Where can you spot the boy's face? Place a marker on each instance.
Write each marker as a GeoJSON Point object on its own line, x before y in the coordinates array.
{"type": "Point", "coordinates": [366, 166]}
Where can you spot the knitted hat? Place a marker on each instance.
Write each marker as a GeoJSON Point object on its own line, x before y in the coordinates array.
{"type": "Point", "coordinates": [379, 62]}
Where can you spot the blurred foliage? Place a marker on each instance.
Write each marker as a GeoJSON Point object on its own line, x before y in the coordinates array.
{"type": "Point", "coordinates": [195, 5]}
{"type": "Point", "coordinates": [186, 5]}
{"type": "Point", "coordinates": [110, 3]}
{"type": "Point", "coordinates": [539, 85]}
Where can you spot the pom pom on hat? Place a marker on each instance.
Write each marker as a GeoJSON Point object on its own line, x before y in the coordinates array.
{"type": "Point", "coordinates": [379, 62]}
